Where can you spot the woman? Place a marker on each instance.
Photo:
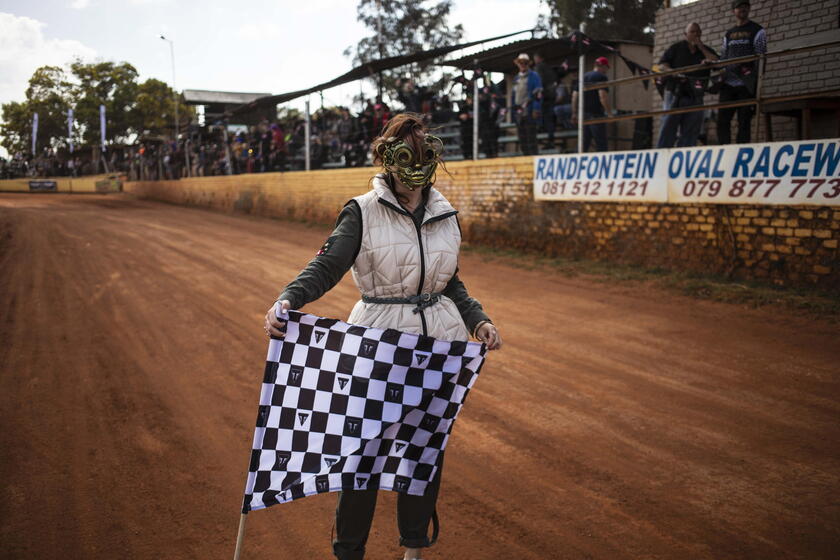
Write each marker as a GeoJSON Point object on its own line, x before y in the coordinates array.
{"type": "Point", "coordinates": [401, 241]}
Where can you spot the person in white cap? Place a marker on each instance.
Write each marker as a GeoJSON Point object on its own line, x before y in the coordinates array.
{"type": "Point", "coordinates": [525, 104]}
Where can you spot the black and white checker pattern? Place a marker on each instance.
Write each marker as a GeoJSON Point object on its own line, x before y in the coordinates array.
{"type": "Point", "coordinates": [347, 407]}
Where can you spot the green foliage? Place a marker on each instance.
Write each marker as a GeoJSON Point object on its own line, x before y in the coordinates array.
{"type": "Point", "coordinates": [289, 115]}
{"type": "Point", "coordinates": [407, 26]}
{"type": "Point", "coordinates": [49, 94]}
{"type": "Point", "coordinates": [130, 108]}
{"type": "Point", "coordinates": [104, 83]}
{"type": "Point", "coordinates": [154, 109]}
{"type": "Point", "coordinates": [630, 20]}
{"type": "Point", "coordinates": [16, 126]}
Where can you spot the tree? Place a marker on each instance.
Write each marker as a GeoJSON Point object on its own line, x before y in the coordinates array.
{"type": "Point", "coordinates": [104, 83]}
{"type": "Point", "coordinates": [407, 26]}
{"type": "Point", "coordinates": [49, 95]}
{"type": "Point", "coordinates": [154, 109]}
{"type": "Point", "coordinates": [130, 108]}
{"type": "Point", "coordinates": [16, 127]}
{"type": "Point", "coordinates": [630, 20]}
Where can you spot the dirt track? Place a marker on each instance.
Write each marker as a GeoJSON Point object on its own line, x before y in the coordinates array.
{"type": "Point", "coordinates": [618, 422]}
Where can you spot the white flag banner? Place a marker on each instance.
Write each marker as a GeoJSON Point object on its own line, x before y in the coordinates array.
{"type": "Point", "coordinates": [34, 132]}
{"type": "Point", "coordinates": [102, 125]}
{"type": "Point", "coordinates": [345, 407]}
{"type": "Point", "coordinates": [70, 128]}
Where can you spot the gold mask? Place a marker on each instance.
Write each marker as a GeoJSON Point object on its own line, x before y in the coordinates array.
{"type": "Point", "coordinates": [414, 170]}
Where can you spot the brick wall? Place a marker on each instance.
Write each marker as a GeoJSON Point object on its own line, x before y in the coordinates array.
{"type": "Point", "coordinates": [783, 245]}
{"type": "Point", "coordinates": [787, 24]}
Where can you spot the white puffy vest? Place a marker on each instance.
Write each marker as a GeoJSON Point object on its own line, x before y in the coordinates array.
{"type": "Point", "coordinates": [396, 260]}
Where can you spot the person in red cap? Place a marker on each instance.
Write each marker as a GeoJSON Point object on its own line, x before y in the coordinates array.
{"type": "Point", "coordinates": [596, 104]}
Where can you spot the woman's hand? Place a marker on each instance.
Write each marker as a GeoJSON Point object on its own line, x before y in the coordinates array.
{"type": "Point", "coordinates": [488, 334]}
{"type": "Point", "coordinates": [272, 324]}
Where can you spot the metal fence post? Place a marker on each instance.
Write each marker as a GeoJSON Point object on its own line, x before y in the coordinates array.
{"type": "Point", "coordinates": [306, 135]}
{"type": "Point", "coordinates": [757, 124]}
{"type": "Point", "coordinates": [475, 111]}
{"type": "Point", "coordinates": [581, 65]}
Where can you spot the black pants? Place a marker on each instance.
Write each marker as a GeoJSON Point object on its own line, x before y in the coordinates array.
{"type": "Point", "coordinates": [354, 515]}
{"type": "Point", "coordinates": [549, 119]}
{"type": "Point", "coordinates": [526, 128]}
{"type": "Point", "coordinates": [745, 114]}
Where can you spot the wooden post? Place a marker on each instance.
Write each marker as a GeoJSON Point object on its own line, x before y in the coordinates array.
{"type": "Point", "coordinates": [240, 536]}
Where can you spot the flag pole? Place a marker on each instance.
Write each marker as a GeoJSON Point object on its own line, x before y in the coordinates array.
{"type": "Point", "coordinates": [240, 537]}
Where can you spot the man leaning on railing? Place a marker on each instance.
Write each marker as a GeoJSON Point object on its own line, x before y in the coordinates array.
{"type": "Point", "coordinates": [684, 90]}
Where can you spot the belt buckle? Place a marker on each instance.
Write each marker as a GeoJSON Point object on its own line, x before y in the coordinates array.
{"type": "Point", "coordinates": [425, 298]}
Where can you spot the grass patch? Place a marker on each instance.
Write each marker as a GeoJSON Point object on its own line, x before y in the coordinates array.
{"type": "Point", "coordinates": [700, 286]}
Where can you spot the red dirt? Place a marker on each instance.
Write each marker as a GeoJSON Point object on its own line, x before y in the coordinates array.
{"type": "Point", "coordinates": [619, 422]}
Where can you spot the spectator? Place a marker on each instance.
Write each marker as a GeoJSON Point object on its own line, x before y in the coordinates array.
{"type": "Point", "coordinates": [409, 96]}
{"type": "Point", "coordinates": [525, 104]}
{"type": "Point", "coordinates": [684, 90]}
{"type": "Point", "coordinates": [739, 82]}
{"type": "Point", "coordinates": [548, 77]}
{"type": "Point", "coordinates": [381, 116]}
{"type": "Point", "coordinates": [489, 114]}
{"type": "Point", "coordinates": [442, 110]}
{"type": "Point", "coordinates": [563, 99]}
{"type": "Point", "coordinates": [465, 122]}
{"type": "Point", "coordinates": [316, 153]}
{"type": "Point", "coordinates": [596, 104]}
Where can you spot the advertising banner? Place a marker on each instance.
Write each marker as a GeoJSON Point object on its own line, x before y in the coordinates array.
{"type": "Point", "coordinates": [102, 125]}
{"type": "Point", "coordinates": [604, 176]}
{"type": "Point", "coordinates": [34, 132]}
{"type": "Point", "coordinates": [803, 172]}
{"type": "Point", "coordinates": [108, 186]}
{"type": "Point", "coordinates": [43, 186]}
{"type": "Point", "coordinates": [70, 128]}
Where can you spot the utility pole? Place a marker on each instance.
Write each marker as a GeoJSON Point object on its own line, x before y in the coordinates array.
{"type": "Point", "coordinates": [175, 99]}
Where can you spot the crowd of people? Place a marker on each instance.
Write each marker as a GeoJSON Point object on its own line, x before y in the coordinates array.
{"type": "Point", "coordinates": [47, 163]}
{"type": "Point", "coordinates": [543, 99]}
{"type": "Point", "coordinates": [338, 138]}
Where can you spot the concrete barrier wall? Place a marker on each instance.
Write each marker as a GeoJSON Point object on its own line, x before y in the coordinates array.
{"type": "Point", "coordinates": [63, 184]}
{"type": "Point", "coordinates": [787, 245]}
{"type": "Point", "coordinates": [315, 196]}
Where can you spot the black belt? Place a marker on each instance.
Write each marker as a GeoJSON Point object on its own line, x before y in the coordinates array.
{"type": "Point", "coordinates": [422, 301]}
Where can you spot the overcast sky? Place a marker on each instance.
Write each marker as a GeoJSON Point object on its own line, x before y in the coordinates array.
{"type": "Point", "coordinates": [252, 45]}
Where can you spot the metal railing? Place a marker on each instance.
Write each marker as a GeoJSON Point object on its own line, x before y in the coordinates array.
{"type": "Point", "coordinates": [758, 100]}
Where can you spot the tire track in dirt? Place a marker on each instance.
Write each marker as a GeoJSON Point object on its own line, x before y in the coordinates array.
{"type": "Point", "coordinates": [619, 422]}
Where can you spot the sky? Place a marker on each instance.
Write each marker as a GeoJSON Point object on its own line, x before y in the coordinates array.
{"type": "Point", "coordinates": [252, 45]}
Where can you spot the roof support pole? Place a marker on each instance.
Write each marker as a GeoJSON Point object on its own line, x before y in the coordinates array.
{"type": "Point", "coordinates": [228, 163]}
{"type": "Point", "coordinates": [307, 134]}
{"type": "Point", "coordinates": [475, 111]}
{"type": "Point", "coordinates": [581, 70]}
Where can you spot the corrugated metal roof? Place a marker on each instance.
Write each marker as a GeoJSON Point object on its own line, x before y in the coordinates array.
{"type": "Point", "coordinates": [500, 59]}
{"type": "Point", "coordinates": [370, 68]}
{"type": "Point", "coordinates": [207, 97]}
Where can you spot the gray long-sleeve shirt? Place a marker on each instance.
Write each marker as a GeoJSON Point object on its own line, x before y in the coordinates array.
{"type": "Point", "coordinates": [339, 252]}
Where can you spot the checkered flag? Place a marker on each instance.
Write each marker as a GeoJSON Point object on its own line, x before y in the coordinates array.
{"type": "Point", "coordinates": [345, 407]}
